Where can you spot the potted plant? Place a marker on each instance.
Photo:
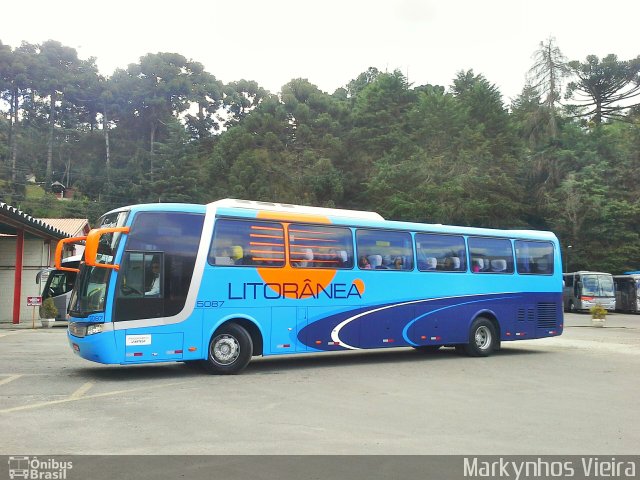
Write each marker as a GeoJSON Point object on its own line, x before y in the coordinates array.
{"type": "Point", "coordinates": [48, 313]}
{"type": "Point", "coordinates": [598, 315]}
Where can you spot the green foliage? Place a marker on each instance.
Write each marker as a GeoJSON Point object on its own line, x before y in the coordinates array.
{"type": "Point", "coordinates": [34, 192]}
{"type": "Point", "coordinates": [49, 309]}
{"type": "Point", "coordinates": [598, 312]}
{"type": "Point", "coordinates": [165, 129]}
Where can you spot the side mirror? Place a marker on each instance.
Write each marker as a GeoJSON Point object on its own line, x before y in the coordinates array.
{"type": "Point", "coordinates": [93, 242]}
{"type": "Point", "coordinates": [60, 248]}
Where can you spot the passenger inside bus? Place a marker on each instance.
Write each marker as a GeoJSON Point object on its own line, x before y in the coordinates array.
{"type": "Point", "coordinates": [363, 263]}
{"type": "Point", "coordinates": [154, 287]}
{"type": "Point", "coordinates": [237, 254]}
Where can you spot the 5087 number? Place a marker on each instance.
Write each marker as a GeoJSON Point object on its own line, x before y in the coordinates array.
{"type": "Point", "coordinates": [209, 303]}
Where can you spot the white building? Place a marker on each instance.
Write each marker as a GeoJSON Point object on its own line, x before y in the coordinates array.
{"type": "Point", "coordinates": [27, 245]}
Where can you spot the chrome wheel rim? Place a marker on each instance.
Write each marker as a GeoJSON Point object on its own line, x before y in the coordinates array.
{"type": "Point", "coordinates": [225, 349]}
{"type": "Point", "coordinates": [483, 337]}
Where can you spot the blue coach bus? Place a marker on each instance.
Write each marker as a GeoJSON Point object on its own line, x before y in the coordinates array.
{"type": "Point", "coordinates": [220, 283]}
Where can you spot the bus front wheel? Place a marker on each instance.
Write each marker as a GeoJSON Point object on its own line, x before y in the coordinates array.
{"type": "Point", "coordinates": [230, 350]}
{"type": "Point", "coordinates": [483, 338]}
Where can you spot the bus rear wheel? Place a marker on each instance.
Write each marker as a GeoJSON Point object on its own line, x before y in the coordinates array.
{"type": "Point", "coordinates": [483, 338]}
{"type": "Point", "coordinates": [230, 350]}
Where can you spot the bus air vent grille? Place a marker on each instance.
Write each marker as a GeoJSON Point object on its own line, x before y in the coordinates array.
{"type": "Point", "coordinates": [528, 314]}
{"type": "Point", "coordinates": [547, 315]}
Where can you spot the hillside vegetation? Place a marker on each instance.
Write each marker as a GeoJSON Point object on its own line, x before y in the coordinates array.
{"type": "Point", "coordinates": [563, 156]}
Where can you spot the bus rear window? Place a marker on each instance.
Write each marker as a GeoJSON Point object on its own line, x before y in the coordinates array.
{"type": "Point", "coordinates": [534, 257]}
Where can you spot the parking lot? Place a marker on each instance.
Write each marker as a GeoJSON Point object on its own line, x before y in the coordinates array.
{"type": "Point", "coordinates": [574, 394]}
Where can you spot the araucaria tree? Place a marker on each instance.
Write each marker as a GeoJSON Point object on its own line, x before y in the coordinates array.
{"type": "Point", "coordinates": [605, 89]}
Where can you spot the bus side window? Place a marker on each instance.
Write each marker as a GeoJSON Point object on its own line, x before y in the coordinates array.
{"type": "Point", "coordinates": [319, 246]}
{"type": "Point", "coordinates": [142, 274]}
{"type": "Point", "coordinates": [496, 252]}
{"type": "Point", "coordinates": [441, 252]}
{"type": "Point", "coordinates": [247, 243]}
{"type": "Point", "coordinates": [534, 257]}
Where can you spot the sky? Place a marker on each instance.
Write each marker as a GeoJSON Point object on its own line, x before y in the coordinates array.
{"type": "Point", "coordinates": [330, 42]}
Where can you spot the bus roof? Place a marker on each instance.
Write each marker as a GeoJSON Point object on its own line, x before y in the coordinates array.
{"type": "Point", "coordinates": [248, 208]}
{"type": "Point", "coordinates": [295, 209]}
{"type": "Point", "coordinates": [587, 272]}
{"type": "Point", "coordinates": [336, 216]}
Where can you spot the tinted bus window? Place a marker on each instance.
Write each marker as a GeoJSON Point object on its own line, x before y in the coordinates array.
{"type": "Point", "coordinates": [157, 265]}
{"type": "Point", "coordinates": [59, 283]}
{"type": "Point", "coordinates": [441, 252]}
{"type": "Point", "coordinates": [312, 246]}
{"type": "Point", "coordinates": [384, 250]}
{"type": "Point", "coordinates": [534, 257]}
{"type": "Point", "coordinates": [242, 243]}
{"type": "Point", "coordinates": [490, 255]}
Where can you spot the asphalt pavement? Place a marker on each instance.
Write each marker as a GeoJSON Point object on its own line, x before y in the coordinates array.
{"type": "Point", "coordinates": [573, 394]}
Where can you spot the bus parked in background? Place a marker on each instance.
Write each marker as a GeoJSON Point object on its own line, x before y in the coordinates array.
{"type": "Point", "coordinates": [627, 292]}
{"type": "Point", "coordinates": [58, 283]}
{"type": "Point", "coordinates": [220, 283]}
{"type": "Point", "coordinates": [583, 290]}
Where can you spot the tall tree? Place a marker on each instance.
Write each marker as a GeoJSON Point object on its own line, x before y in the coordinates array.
{"type": "Point", "coordinates": [605, 89]}
{"type": "Point", "coordinates": [157, 89]}
{"type": "Point", "coordinates": [546, 76]}
{"type": "Point", "coordinates": [240, 98]}
{"type": "Point", "coordinates": [355, 86]}
{"type": "Point", "coordinates": [17, 83]}
{"type": "Point", "coordinates": [58, 67]}
{"type": "Point", "coordinates": [206, 94]}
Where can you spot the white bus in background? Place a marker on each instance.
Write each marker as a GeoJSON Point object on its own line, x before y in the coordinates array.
{"type": "Point", "coordinates": [583, 290]}
{"type": "Point", "coordinates": [58, 283]}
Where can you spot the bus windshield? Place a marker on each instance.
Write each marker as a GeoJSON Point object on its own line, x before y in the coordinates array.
{"type": "Point", "coordinates": [89, 295]}
{"type": "Point", "coordinates": [598, 285]}
{"type": "Point", "coordinates": [92, 282]}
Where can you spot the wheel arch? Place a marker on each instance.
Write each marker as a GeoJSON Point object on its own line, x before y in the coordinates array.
{"type": "Point", "coordinates": [246, 322]}
{"type": "Point", "coordinates": [493, 318]}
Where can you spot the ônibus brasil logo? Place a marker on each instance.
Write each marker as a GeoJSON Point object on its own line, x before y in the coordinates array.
{"type": "Point", "coordinates": [38, 469]}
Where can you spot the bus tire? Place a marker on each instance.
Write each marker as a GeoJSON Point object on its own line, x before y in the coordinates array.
{"type": "Point", "coordinates": [482, 338]}
{"type": "Point", "coordinates": [230, 350]}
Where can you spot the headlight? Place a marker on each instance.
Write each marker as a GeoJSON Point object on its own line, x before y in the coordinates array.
{"type": "Point", "coordinates": [94, 328]}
